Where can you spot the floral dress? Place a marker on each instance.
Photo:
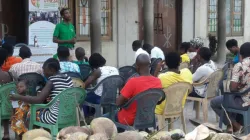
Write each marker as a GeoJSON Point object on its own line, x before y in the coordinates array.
{"type": "Point", "coordinates": [18, 120]}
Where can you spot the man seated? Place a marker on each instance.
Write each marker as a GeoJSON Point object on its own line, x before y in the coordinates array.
{"type": "Point", "coordinates": [183, 50]}
{"type": "Point", "coordinates": [203, 72]}
{"type": "Point", "coordinates": [11, 60]}
{"type": "Point", "coordinates": [80, 56]}
{"type": "Point", "coordinates": [174, 75]}
{"type": "Point", "coordinates": [232, 46]}
{"type": "Point", "coordinates": [154, 51]}
{"type": "Point", "coordinates": [65, 64]}
{"type": "Point", "coordinates": [135, 86]}
{"type": "Point", "coordinates": [136, 46]}
{"type": "Point", "coordinates": [26, 66]}
{"type": "Point", "coordinates": [239, 82]}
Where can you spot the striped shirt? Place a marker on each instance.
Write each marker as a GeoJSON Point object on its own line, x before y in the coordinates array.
{"type": "Point", "coordinates": [26, 66]}
{"type": "Point", "coordinates": [60, 82]}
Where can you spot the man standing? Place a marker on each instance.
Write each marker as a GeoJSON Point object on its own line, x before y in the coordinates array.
{"type": "Point", "coordinates": [64, 33]}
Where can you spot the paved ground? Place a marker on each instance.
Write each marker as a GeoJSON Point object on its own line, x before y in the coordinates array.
{"type": "Point", "coordinates": [189, 113]}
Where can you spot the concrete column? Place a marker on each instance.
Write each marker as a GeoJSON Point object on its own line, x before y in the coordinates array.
{"type": "Point", "coordinates": [148, 21]}
{"type": "Point", "coordinates": [221, 28]}
{"type": "Point", "coordinates": [95, 26]}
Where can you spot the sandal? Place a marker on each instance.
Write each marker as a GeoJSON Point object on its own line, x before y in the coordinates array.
{"type": "Point", "coordinates": [227, 131]}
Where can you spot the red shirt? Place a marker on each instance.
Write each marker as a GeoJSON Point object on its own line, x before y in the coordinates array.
{"type": "Point", "coordinates": [133, 87]}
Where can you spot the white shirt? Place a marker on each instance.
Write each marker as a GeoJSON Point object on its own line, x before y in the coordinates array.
{"type": "Point", "coordinates": [140, 51]}
{"type": "Point", "coordinates": [202, 73]}
{"type": "Point", "coordinates": [156, 52]}
{"type": "Point", "coordinates": [106, 71]}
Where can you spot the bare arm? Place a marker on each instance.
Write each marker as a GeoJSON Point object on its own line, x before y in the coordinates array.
{"type": "Point", "coordinates": [56, 40]}
{"type": "Point", "coordinates": [93, 77]}
{"type": "Point", "coordinates": [234, 86]}
{"type": "Point", "coordinates": [40, 98]}
{"type": "Point", "coordinates": [121, 100]}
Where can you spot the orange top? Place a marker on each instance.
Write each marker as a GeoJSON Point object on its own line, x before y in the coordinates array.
{"type": "Point", "coordinates": [11, 61]}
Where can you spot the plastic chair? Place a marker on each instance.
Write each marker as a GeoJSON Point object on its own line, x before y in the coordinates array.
{"type": "Point", "coordinates": [78, 82]}
{"type": "Point", "coordinates": [111, 87]}
{"type": "Point", "coordinates": [85, 71]}
{"type": "Point", "coordinates": [213, 85]}
{"type": "Point", "coordinates": [5, 103]}
{"type": "Point", "coordinates": [228, 97]}
{"type": "Point", "coordinates": [145, 110]}
{"type": "Point", "coordinates": [73, 75]}
{"type": "Point", "coordinates": [35, 81]}
{"type": "Point", "coordinates": [126, 72]}
{"type": "Point", "coordinates": [68, 102]}
{"type": "Point", "coordinates": [183, 65]}
{"type": "Point", "coordinates": [175, 95]}
{"type": "Point", "coordinates": [154, 65]}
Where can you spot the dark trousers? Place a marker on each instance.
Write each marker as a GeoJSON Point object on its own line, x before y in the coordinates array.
{"type": "Point", "coordinates": [235, 103]}
{"type": "Point", "coordinates": [91, 98]}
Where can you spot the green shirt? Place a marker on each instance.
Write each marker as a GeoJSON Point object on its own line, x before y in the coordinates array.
{"type": "Point", "coordinates": [65, 31]}
{"type": "Point", "coordinates": [81, 62]}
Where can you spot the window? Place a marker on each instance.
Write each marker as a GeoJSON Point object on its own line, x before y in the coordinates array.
{"type": "Point", "coordinates": [234, 17]}
{"type": "Point", "coordinates": [83, 20]}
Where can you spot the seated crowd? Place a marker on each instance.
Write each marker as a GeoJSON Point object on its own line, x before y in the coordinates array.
{"type": "Point", "coordinates": [193, 53]}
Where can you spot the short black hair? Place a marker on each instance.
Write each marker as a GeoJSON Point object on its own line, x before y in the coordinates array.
{"type": "Point", "coordinates": [96, 60]}
{"type": "Point", "coordinates": [25, 81]}
{"type": "Point", "coordinates": [25, 52]}
{"type": "Point", "coordinates": [63, 10]}
{"type": "Point", "coordinates": [9, 48]}
{"type": "Point", "coordinates": [80, 53]}
{"type": "Point", "coordinates": [136, 45]}
{"type": "Point", "coordinates": [230, 43]}
{"type": "Point", "coordinates": [63, 52]}
{"type": "Point", "coordinates": [52, 63]}
{"type": "Point", "coordinates": [173, 60]}
{"type": "Point", "coordinates": [3, 56]}
{"type": "Point", "coordinates": [205, 53]}
{"type": "Point", "coordinates": [146, 46]}
{"type": "Point", "coordinates": [245, 50]}
{"type": "Point", "coordinates": [185, 46]}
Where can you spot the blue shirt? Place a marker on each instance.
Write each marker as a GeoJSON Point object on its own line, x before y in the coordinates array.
{"type": "Point", "coordinates": [236, 58]}
{"type": "Point", "coordinates": [69, 67]}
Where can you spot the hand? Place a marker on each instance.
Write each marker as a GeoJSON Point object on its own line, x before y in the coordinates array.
{"type": "Point", "coordinates": [14, 97]}
{"type": "Point", "coordinates": [73, 41]}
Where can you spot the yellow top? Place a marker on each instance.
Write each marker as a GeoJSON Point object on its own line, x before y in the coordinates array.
{"type": "Point", "coordinates": [185, 58]}
{"type": "Point", "coordinates": [169, 78]}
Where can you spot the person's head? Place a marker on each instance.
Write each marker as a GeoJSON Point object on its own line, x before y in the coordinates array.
{"type": "Point", "coordinates": [25, 52]}
{"type": "Point", "coordinates": [245, 50]}
{"type": "Point", "coordinates": [65, 14]}
{"type": "Point", "coordinates": [136, 45]}
{"type": "Point", "coordinates": [96, 60]}
{"type": "Point", "coordinates": [204, 54]}
{"type": "Point", "coordinates": [63, 53]}
{"type": "Point", "coordinates": [51, 67]}
{"type": "Point", "coordinates": [3, 56]}
{"type": "Point", "coordinates": [21, 86]}
{"type": "Point", "coordinates": [184, 47]}
{"type": "Point", "coordinates": [195, 44]}
{"type": "Point", "coordinates": [143, 64]}
{"type": "Point", "coordinates": [232, 46]}
{"type": "Point", "coordinates": [173, 60]}
{"type": "Point", "coordinates": [147, 48]}
{"type": "Point", "coordinates": [9, 48]}
{"type": "Point", "coordinates": [80, 54]}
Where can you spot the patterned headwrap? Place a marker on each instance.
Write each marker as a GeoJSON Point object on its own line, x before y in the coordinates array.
{"type": "Point", "coordinates": [197, 42]}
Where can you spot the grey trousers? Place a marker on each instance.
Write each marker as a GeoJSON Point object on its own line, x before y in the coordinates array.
{"type": "Point", "coordinates": [235, 103]}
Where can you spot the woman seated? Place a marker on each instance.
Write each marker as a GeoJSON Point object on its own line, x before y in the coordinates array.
{"type": "Point", "coordinates": [100, 72]}
{"type": "Point", "coordinates": [5, 77]}
{"type": "Point", "coordinates": [56, 83]}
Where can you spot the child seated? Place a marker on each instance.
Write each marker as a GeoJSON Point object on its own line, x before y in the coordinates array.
{"type": "Point", "coordinates": [80, 55]}
{"type": "Point", "coordinates": [18, 118]}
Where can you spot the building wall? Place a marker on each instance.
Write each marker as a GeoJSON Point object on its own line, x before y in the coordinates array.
{"type": "Point", "coordinates": [118, 51]}
{"type": "Point", "coordinates": [201, 28]}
